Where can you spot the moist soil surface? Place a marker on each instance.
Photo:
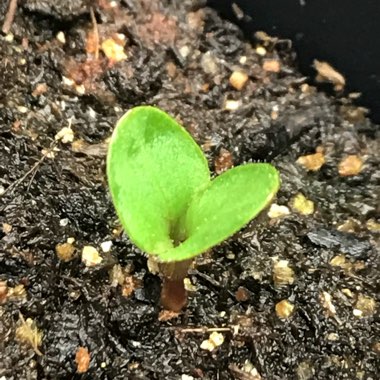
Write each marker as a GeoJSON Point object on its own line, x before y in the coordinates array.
{"type": "Point", "coordinates": [64, 65]}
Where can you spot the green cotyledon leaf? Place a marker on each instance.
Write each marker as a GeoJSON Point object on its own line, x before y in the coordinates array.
{"type": "Point", "coordinates": [153, 167]}
{"type": "Point", "coordinates": [162, 191]}
{"type": "Point", "coordinates": [229, 202]}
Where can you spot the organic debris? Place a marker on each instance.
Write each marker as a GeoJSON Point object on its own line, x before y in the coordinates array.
{"type": "Point", "coordinates": [364, 307]}
{"type": "Point", "coordinates": [272, 65]}
{"type": "Point", "coordinates": [302, 205]}
{"type": "Point", "coordinates": [29, 334]}
{"type": "Point", "coordinates": [282, 273]}
{"type": "Point", "coordinates": [90, 256]}
{"type": "Point", "coordinates": [65, 251]}
{"type": "Point", "coordinates": [326, 73]}
{"type": "Point", "coordinates": [284, 309]}
{"type": "Point", "coordinates": [238, 80]}
{"type": "Point", "coordinates": [278, 211]}
{"type": "Point", "coordinates": [350, 166]}
{"type": "Point", "coordinates": [224, 161]}
{"type": "Point", "coordinates": [82, 359]}
{"type": "Point", "coordinates": [312, 162]}
{"type": "Point", "coordinates": [215, 340]}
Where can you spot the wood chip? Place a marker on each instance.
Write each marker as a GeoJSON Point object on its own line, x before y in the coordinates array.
{"type": "Point", "coordinates": [113, 48]}
{"type": "Point", "coordinates": [3, 291]}
{"type": "Point", "coordinates": [326, 73]}
{"type": "Point", "coordinates": [272, 65]}
{"type": "Point", "coordinates": [302, 205]}
{"type": "Point", "coordinates": [365, 306]}
{"type": "Point", "coordinates": [312, 162]}
{"type": "Point", "coordinates": [350, 166]}
{"type": "Point", "coordinates": [238, 79]}
{"type": "Point", "coordinates": [65, 251]}
{"type": "Point", "coordinates": [282, 273]}
{"type": "Point", "coordinates": [82, 359]}
{"type": "Point", "coordinates": [284, 309]}
{"type": "Point", "coordinates": [167, 315]}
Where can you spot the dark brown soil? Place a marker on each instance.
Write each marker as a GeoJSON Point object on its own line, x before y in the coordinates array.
{"type": "Point", "coordinates": [179, 57]}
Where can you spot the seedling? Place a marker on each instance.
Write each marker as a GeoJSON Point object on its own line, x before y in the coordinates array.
{"type": "Point", "coordinates": [166, 200]}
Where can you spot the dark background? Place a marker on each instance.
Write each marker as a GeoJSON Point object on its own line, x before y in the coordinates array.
{"type": "Point", "coordinates": [345, 33]}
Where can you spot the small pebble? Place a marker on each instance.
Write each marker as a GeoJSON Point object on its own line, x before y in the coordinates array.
{"type": "Point", "coordinates": [22, 109]}
{"type": "Point", "coordinates": [61, 37]}
{"type": "Point", "coordinates": [187, 377]}
{"type": "Point", "coordinates": [243, 60]}
{"type": "Point", "coordinates": [67, 81]}
{"type": "Point", "coordinates": [261, 51]}
{"type": "Point", "coordinates": [7, 228]}
{"type": "Point", "coordinates": [90, 256]}
{"type": "Point", "coordinates": [64, 222]}
{"type": "Point", "coordinates": [333, 337]}
{"type": "Point", "coordinates": [106, 246]}
{"type": "Point", "coordinates": [284, 309]}
{"type": "Point", "coordinates": [209, 63]}
{"type": "Point", "coordinates": [232, 105]}
{"type": "Point", "coordinates": [184, 51]}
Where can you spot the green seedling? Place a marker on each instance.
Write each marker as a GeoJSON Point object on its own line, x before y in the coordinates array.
{"type": "Point", "coordinates": [167, 201]}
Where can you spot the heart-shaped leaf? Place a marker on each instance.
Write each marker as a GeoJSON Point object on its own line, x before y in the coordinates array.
{"type": "Point", "coordinates": [224, 207]}
{"type": "Point", "coordinates": [161, 188]}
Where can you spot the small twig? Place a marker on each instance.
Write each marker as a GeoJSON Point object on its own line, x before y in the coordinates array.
{"type": "Point", "coordinates": [96, 32]}
{"type": "Point", "coordinates": [9, 16]}
{"type": "Point", "coordinates": [204, 329]}
{"type": "Point", "coordinates": [30, 171]}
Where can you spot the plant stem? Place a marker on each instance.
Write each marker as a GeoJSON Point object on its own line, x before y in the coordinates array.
{"type": "Point", "coordinates": [173, 292]}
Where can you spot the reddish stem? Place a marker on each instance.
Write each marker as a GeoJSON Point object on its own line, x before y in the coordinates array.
{"type": "Point", "coordinates": [173, 294]}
